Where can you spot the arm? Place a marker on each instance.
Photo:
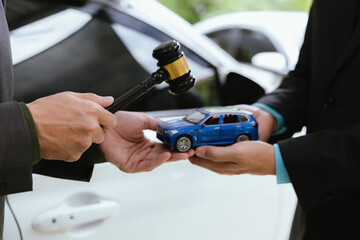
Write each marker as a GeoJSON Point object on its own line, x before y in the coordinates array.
{"type": "Point", "coordinates": [125, 146]}
{"type": "Point", "coordinates": [323, 165]}
{"type": "Point", "coordinates": [15, 150]}
{"type": "Point", "coordinates": [327, 165]}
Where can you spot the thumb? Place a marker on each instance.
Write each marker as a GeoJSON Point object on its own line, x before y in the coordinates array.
{"type": "Point", "coordinates": [216, 154]}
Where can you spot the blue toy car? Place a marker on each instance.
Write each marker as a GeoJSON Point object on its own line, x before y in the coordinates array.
{"type": "Point", "coordinates": [208, 126]}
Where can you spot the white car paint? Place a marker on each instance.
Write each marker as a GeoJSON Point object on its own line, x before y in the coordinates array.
{"type": "Point", "coordinates": [285, 29]}
{"type": "Point", "coordinates": [175, 201]}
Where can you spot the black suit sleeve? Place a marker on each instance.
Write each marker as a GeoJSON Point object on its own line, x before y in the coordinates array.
{"type": "Point", "coordinates": [15, 150]}
{"type": "Point", "coordinates": [324, 164]}
{"type": "Point", "coordinates": [80, 170]}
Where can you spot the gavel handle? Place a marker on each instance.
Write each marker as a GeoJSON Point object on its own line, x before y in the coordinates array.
{"type": "Point", "coordinates": [143, 87]}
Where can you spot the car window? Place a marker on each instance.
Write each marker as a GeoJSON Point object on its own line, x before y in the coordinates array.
{"type": "Point", "coordinates": [242, 43]}
{"type": "Point", "coordinates": [230, 118]}
{"type": "Point", "coordinates": [213, 120]}
{"type": "Point", "coordinates": [243, 118]}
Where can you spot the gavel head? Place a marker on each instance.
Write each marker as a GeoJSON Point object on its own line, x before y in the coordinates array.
{"type": "Point", "coordinates": [172, 60]}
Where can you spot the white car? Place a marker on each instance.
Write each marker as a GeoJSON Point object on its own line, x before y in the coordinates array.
{"type": "Point", "coordinates": [269, 39]}
{"type": "Point", "coordinates": [105, 47]}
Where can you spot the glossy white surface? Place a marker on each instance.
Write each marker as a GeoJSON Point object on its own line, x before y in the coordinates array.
{"type": "Point", "coordinates": [176, 201]}
{"type": "Point", "coordinates": [36, 37]}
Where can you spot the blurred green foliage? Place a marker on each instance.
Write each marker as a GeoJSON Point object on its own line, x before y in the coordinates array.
{"type": "Point", "coordinates": [196, 10]}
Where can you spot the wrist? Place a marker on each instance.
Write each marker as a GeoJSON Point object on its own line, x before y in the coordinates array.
{"type": "Point", "coordinates": [265, 164]}
{"type": "Point", "coordinates": [33, 133]}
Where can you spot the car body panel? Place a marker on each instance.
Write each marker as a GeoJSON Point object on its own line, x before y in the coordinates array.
{"type": "Point", "coordinates": [176, 201]}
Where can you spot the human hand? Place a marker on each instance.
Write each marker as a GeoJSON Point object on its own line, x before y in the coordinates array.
{"type": "Point", "coordinates": [267, 123]}
{"type": "Point", "coordinates": [254, 157]}
{"type": "Point", "coordinates": [68, 123]}
{"type": "Point", "coordinates": [127, 147]}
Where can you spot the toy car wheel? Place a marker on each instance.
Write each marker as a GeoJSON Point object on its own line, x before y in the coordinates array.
{"type": "Point", "coordinates": [183, 143]}
{"type": "Point", "coordinates": [242, 137]}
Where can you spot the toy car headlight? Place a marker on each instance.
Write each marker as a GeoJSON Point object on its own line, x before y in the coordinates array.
{"type": "Point", "coordinates": [171, 131]}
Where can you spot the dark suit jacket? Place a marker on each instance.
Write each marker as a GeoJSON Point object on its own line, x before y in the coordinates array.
{"type": "Point", "coordinates": [15, 141]}
{"type": "Point", "coordinates": [322, 93]}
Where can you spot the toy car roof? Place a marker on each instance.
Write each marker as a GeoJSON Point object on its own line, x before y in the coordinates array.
{"type": "Point", "coordinates": [222, 110]}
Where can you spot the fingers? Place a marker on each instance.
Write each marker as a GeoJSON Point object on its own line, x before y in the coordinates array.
{"type": "Point", "coordinates": [149, 122]}
{"type": "Point", "coordinates": [98, 136]}
{"type": "Point", "coordinates": [267, 122]}
{"type": "Point", "coordinates": [250, 108]}
{"type": "Point", "coordinates": [145, 159]}
{"type": "Point", "coordinates": [139, 119]}
{"type": "Point", "coordinates": [155, 162]}
{"type": "Point", "coordinates": [102, 101]}
{"type": "Point", "coordinates": [218, 167]}
{"type": "Point", "coordinates": [181, 156]}
{"type": "Point", "coordinates": [254, 157]}
{"type": "Point", "coordinates": [161, 155]}
{"type": "Point", "coordinates": [216, 154]}
{"type": "Point", "coordinates": [152, 123]}
{"type": "Point", "coordinates": [217, 159]}
{"type": "Point", "coordinates": [106, 119]}
{"type": "Point", "coordinates": [68, 123]}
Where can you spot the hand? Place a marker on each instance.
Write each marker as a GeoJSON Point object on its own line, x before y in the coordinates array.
{"type": "Point", "coordinates": [267, 123]}
{"type": "Point", "coordinates": [68, 123]}
{"type": "Point", "coordinates": [127, 147]}
{"type": "Point", "coordinates": [254, 157]}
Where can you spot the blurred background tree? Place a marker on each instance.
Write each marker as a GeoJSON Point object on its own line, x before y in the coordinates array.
{"type": "Point", "coordinates": [196, 10]}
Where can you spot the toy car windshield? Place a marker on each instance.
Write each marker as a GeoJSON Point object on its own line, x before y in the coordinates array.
{"type": "Point", "coordinates": [195, 117]}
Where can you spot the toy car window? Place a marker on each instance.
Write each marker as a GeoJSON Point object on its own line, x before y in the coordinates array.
{"type": "Point", "coordinates": [213, 120]}
{"type": "Point", "coordinates": [230, 118]}
{"type": "Point", "coordinates": [195, 117]}
{"type": "Point", "coordinates": [243, 118]}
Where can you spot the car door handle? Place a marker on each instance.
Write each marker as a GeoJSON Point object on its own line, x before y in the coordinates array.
{"type": "Point", "coordinates": [68, 216]}
{"type": "Point", "coordinates": [216, 128]}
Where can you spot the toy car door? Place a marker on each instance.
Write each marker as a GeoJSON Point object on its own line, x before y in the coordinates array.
{"type": "Point", "coordinates": [209, 131]}
{"type": "Point", "coordinates": [230, 128]}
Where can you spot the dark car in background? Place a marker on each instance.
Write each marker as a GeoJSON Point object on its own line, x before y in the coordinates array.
{"type": "Point", "coordinates": [105, 47]}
